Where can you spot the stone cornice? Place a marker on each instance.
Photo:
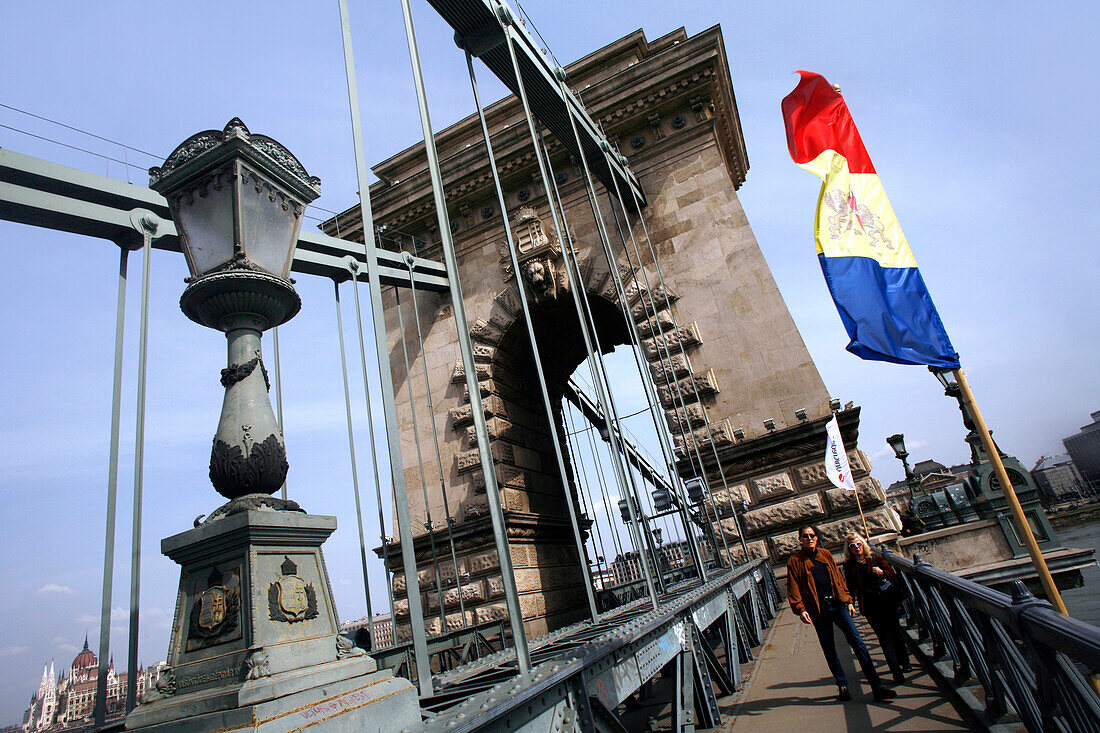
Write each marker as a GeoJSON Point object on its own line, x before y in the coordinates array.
{"type": "Point", "coordinates": [670, 72]}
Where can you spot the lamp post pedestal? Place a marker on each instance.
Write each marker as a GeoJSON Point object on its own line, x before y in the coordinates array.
{"type": "Point", "coordinates": [255, 640]}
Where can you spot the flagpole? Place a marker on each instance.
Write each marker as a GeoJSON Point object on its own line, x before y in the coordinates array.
{"type": "Point", "coordinates": [1024, 527]}
{"type": "Point", "coordinates": [866, 532]}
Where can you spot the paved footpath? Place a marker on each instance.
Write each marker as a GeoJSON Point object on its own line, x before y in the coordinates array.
{"type": "Point", "coordinates": [791, 689]}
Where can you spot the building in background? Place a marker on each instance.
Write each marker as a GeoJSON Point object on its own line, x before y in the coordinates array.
{"type": "Point", "coordinates": [931, 475]}
{"type": "Point", "coordinates": [1058, 480]}
{"type": "Point", "coordinates": [1084, 449]}
{"type": "Point", "coordinates": [67, 701]}
{"type": "Point", "coordinates": [383, 630]}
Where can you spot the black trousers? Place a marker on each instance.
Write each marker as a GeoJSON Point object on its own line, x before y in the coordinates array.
{"type": "Point", "coordinates": [891, 637]}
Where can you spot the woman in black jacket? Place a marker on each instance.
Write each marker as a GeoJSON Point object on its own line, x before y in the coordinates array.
{"type": "Point", "coordinates": [874, 587]}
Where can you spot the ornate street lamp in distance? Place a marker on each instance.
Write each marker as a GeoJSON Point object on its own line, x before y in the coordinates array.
{"type": "Point", "coordinates": [897, 442]}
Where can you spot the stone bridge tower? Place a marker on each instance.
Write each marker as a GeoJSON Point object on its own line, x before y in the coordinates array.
{"type": "Point", "coordinates": [668, 105]}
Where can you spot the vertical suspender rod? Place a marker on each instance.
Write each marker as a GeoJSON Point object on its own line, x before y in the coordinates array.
{"type": "Point", "coordinates": [492, 489]}
{"type": "Point", "coordinates": [401, 504]}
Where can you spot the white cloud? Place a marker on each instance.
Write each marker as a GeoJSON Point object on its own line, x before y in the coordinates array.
{"type": "Point", "coordinates": [55, 588]}
{"type": "Point", "coordinates": [68, 648]}
{"type": "Point", "coordinates": [12, 651]}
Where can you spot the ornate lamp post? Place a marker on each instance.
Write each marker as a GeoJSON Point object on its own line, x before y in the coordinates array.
{"type": "Point", "coordinates": [255, 635]}
{"type": "Point", "coordinates": [897, 442]}
{"type": "Point", "coordinates": [237, 200]}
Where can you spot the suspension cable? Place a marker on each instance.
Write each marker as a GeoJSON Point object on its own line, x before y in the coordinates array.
{"type": "Point", "coordinates": [139, 474]}
{"type": "Point", "coordinates": [354, 468]}
{"type": "Point", "coordinates": [626, 479]}
{"type": "Point", "coordinates": [112, 494]}
{"type": "Point", "coordinates": [666, 448]}
{"type": "Point", "coordinates": [373, 452]}
{"type": "Point", "coordinates": [669, 381]}
{"type": "Point", "coordinates": [583, 490]}
{"type": "Point", "coordinates": [683, 352]}
{"type": "Point", "coordinates": [613, 268]}
{"type": "Point", "coordinates": [615, 537]}
{"type": "Point", "coordinates": [428, 523]}
{"type": "Point", "coordinates": [526, 308]}
{"type": "Point", "coordinates": [462, 327]}
{"type": "Point", "coordinates": [596, 365]}
{"type": "Point", "coordinates": [389, 407]}
{"type": "Point", "coordinates": [408, 259]}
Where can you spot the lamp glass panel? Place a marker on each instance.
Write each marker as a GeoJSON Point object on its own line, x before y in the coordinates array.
{"type": "Point", "coordinates": [269, 227]}
{"type": "Point", "coordinates": [205, 219]}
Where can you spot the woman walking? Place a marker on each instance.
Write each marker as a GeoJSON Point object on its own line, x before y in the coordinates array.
{"type": "Point", "coordinates": [819, 596]}
{"type": "Point", "coordinates": [874, 586]}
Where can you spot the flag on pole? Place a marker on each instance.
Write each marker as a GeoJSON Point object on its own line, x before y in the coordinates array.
{"type": "Point", "coordinates": [868, 267]}
{"type": "Point", "coordinates": [836, 458]}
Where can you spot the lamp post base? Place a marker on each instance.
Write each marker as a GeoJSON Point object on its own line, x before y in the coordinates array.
{"type": "Point", "coordinates": [346, 695]}
{"type": "Point", "coordinates": [255, 642]}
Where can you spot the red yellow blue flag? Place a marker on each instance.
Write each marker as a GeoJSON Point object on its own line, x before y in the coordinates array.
{"type": "Point", "coordinates": [868, 267]}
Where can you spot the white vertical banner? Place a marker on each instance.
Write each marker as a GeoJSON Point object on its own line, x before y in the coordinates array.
{"type": "Point", "coordinates": [836, 458]}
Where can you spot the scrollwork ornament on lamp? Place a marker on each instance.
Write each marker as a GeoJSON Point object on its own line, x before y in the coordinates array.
{"type": "Point", "coordinates": [237, 200]}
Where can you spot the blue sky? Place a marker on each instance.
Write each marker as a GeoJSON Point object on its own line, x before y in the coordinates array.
{"type": "Point", "coordinates": [978, 117]}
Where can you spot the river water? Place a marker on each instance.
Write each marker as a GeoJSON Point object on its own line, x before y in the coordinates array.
{"type": "Point", "coordinates": [1084, 603]}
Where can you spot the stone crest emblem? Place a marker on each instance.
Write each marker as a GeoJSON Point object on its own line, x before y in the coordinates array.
{"type": "Point", "coordinates": [290, 598]}
{"type": "Point", "coordinates": [215, 610]}
{"type": "Point", "coordinates": [538, 253]}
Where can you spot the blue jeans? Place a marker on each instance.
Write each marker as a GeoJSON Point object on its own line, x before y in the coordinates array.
{"type": "Point", "coordinates": [835, 612]}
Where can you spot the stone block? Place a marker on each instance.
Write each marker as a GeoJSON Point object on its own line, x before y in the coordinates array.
{"type": "Point", "coordinates": [492, 612]}
{"type": "Point", "coordinates": [784, 545]}
{"type": "Point", "coordinates": [495, 586]}
{"type": "Point", "coordinates": [470, 460]}
{"type": "Point", "coordinates": [463, 415]}
{"type": "Point", "coordinates": [736, 555]}
{"type": "Point", "coordinates": [812, 475]}
{"type": "Point", "coordinates": [666, 369]}
{"type": "Point", "coordinates": [771, 487]}
{"type": "Point", "coordinates": [484, 353]}
{"type": "Point", "coordinates": [843, 500]}
{"type": "Point", "coordinates": [721, 432]}
{"type": "Point", "coordinates": [454, 620]}
{"type": "Point", "coordinates": [659, 324]}
{"type": "Point", "coordinates": [690, 389]}
{"type": "Point", "coordinates": [484, 562]}
{"type": "Point", "coordinates": [689, 418]}
{"type": "Point", "coordinates": [498, 427]}
{"type": "Point", "coordinates": [458, 374]}
{"type": "Point", "coordinates": [485, 332]}
{"type": "Point", "coordinates": [729, 529]}
{"type": "Point", "coordinates": [803, 509]}
{"type": "Point", "coordinates": [833, 533]}
{"type": "Point", "coordinates": [508, 300]}
{"type": "Point", "coordinates": [472, 592]}
{"type": "Point", "coordinates": [721, 499]}
{"type": "Point", "coordinates": [426, 577]}
{"type": "Point", "coordinates": [687, 336]}
{"type": "Point", "coordinates": [401, 607]}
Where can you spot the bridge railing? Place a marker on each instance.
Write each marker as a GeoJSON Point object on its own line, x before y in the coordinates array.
{"type": "Point", "coordinates": [697, 638]}
{"type": "Point", "coordinates": [1029, 660]}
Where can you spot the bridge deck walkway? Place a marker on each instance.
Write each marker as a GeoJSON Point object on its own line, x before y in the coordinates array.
{"type": "Point", "coordinates": [790, 688]}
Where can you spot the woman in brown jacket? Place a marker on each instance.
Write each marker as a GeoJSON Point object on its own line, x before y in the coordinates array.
{"type": "Point", "coordinates": [819, 596]}
{"type": "Point", "coordinates": [874, 586]}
